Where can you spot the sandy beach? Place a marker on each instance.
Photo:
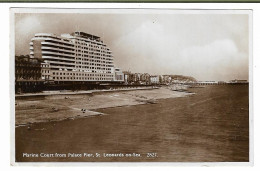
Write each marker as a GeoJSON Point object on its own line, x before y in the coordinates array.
{"type": "Point", "coordinates": [54, 107]}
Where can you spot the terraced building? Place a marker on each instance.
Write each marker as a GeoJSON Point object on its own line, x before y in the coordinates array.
{"type": "Point", "coordinates": [79, 57]}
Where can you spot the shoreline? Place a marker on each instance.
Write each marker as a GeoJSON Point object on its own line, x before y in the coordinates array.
{"type": "Point", "coordinates": [58, 107]}
{"type": "Point", "coordinates": [78, 92]}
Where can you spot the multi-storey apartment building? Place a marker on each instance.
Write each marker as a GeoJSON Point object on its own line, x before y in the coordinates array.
{"type": "Point", "coordinates": [155, 79]}
{"type": "Point", "coordinates": [27, 74]}
{"type": "Point", "coordinates": [75, 57]}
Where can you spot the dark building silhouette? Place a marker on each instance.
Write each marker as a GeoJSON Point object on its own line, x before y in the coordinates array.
{"type": "Point", "coordinates": [27, 74]}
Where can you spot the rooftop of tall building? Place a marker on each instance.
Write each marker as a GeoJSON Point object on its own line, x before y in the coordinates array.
{"type": "Point", "coordinates": [86, 35]}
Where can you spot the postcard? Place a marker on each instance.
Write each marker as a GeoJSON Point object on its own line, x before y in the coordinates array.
{"type": "Point", "coordinates": [131, 85]}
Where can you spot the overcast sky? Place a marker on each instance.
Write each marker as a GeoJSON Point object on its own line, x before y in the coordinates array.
{"type": "Point", "coordinates": [207, 47]}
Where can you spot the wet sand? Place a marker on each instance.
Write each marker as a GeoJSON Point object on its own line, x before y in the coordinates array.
{"type": "Point", "coordinates": [210, 126]}
{"type": "Point", "coordinates": [54, 107]}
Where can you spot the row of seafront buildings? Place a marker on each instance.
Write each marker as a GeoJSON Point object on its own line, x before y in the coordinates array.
{"type": "Point", "coordinates": [79, 60]}
{"type": "Point", "coordinates": [147, 79]}
{"type": "Point", "coordinates": [68, 59]}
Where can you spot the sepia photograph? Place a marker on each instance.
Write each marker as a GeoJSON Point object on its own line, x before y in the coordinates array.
{"type": "Point", "coordinates": [131, 85]}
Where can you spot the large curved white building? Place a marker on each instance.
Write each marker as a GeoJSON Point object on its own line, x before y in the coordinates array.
{"type": "Point", "coordinates": [74, 57]}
